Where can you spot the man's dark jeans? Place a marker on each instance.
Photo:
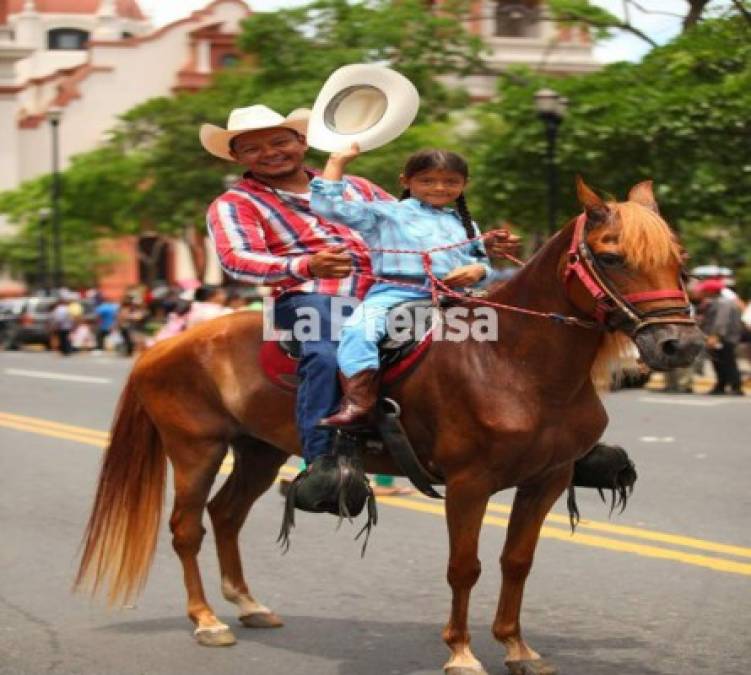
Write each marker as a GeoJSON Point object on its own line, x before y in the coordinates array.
{"type": "Point", "coordinates": [726, 367]}
{"type": "Point", "coordinates": [319, 393]}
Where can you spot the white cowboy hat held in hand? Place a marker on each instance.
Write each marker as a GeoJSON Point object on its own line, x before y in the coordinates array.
{"type": "Point", "coordinates": [216, 140]}
{"type": "Point", "coordinates": [362, 103]}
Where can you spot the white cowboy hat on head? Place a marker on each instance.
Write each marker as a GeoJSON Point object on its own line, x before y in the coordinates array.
{"type": "Point", "coordinates": [362, 103]}
{"type": "Point", "coordinates": [216, 140]}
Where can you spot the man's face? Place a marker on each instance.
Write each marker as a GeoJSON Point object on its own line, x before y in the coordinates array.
{"type": "Point", "coordinates": [270, 153]}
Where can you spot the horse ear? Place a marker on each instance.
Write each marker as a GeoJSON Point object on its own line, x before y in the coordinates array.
{"type": "Point", "coordinates": [595, 208]}
{"type": "Point", "coordinates": [642, 194]}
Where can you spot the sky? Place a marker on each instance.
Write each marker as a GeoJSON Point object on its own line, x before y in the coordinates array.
{"type": "Point", "coordinates": [623, 47]}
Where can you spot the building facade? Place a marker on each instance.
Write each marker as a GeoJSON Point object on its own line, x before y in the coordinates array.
{"type": "Point", "coordinates": [92, 61]}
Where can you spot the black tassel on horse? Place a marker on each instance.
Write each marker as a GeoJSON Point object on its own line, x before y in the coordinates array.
{"type": "Point", "coordinates": [334, 483]}
{"type": "Point", "coordinates": [604, 467]}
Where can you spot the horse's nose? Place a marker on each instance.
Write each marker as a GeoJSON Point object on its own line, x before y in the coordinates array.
{"type": "Point", "coordinates": [670, 347]}
{"type": "Point", "coordinates": [684, 347]}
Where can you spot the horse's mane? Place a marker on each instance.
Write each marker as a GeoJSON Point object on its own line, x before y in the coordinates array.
{"type": "Point", "coordinates": [646, 239]}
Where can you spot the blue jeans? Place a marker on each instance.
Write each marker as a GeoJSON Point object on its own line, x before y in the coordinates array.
{"type": "Point", "coordinates": [358, 349]}
{"type": "Point", "coordinates": [318, 394]}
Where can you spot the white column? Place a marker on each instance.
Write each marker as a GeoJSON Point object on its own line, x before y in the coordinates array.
{"type": "Point", "coordinates": [203, 56]}
{"type": "Point", "coordinates": [184, 269]}
{"type": "Point", "coordinates": [29, 27]}
{"type": "Point", "coordinates": [107, 22]}
{"type": "Point", "coordinates": [213, 272]}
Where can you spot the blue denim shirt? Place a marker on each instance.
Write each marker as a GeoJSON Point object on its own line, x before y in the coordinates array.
{"type": "Point", "coordinates": [409, 224]}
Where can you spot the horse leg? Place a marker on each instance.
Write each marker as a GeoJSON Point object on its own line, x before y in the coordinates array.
{"type": "Point", "coordinates": [531, 505]}
{"type": "Point", "coordinates": [466, 501]}
{"type": "Point", "coordinates": [195, 466]}
{"type": "Point", "coordinates": [255, 468]}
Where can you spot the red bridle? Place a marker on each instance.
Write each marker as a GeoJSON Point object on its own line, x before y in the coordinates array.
{"type": "Point", "coordinates": [613, 309]}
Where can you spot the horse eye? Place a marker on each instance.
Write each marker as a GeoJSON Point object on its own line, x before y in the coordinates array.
{"type": "Point", "coordinates": [610, 260]}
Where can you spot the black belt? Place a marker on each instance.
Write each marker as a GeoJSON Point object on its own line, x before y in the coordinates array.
{"type": "Point", "coordinates": [403, 278]}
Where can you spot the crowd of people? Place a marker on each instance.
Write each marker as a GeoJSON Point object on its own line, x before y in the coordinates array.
{"type": "Point", "coordinates": [89, 321]}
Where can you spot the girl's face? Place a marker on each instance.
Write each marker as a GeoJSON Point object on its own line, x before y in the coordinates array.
{"type": "Point", "coordinates": [437, 187]}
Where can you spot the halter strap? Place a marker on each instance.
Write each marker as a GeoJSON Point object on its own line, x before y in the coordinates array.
{"type": "Point", "coordinates": [608, 300]}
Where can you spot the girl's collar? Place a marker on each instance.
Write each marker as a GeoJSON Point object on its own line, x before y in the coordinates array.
{"type": "Point", "coordinates": [417, 203]}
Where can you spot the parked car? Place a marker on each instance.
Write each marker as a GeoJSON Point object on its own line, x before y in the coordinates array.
{"type": "Point", "coordinates": [27, 321]}
{"type": "Point", "coordinates": [10, 310]}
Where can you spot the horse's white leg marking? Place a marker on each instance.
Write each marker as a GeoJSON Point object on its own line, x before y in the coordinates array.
{"type": "Point", "coordinates": [464, 659]}
{"type": "Point", "coordinates": [244, 601]}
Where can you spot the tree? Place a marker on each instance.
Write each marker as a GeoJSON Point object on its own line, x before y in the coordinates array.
{"type": "Point", "coordinates": [680, 117]}
{"type": "Point", "coordinates": [153, 177]}
{"type": "Point", "coordinates": [604, 23]}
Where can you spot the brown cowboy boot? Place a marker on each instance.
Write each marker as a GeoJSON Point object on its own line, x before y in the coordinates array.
{"type": "Point", "coordinates": [360, 395]}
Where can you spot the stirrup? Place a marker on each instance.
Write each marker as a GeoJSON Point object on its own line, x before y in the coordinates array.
{"type": "Point", "coordinates": [342, 489]}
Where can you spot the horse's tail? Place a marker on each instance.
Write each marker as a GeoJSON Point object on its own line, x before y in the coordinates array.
{"type": "Point", "coordinates": [120, 538]}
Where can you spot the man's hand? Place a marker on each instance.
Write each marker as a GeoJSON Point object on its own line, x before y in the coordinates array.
{"type": "Point", "coordinates": [502, 242]}
{"type": "Point", "coordinates": [331, 263]}
{"type": "Point", "coordinates": [713, 342]}
{"type": "Point", "coordinates": [334, 169]}
{"type": "Point", "coordinates": [466, 275]}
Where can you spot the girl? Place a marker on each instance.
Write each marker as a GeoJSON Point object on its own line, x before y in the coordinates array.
{"type": "Point", "coordinates": [432, 180]}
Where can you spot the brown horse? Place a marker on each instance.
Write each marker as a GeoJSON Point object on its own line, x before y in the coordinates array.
{"type": "Point", "coordinates": [490, 415]}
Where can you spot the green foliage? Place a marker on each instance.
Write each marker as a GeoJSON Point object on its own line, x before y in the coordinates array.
{"type": "Point", "coordinates": [154, 176]}
{"type": "Point", "coordinates": [681, 117]}
{"type": "Point", "coordinates": [600, 20]}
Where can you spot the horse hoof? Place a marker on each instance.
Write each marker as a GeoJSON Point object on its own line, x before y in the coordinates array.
{"type": "Point", "coordinates": [461, 670]}
{"type": "Point", "coordinates": [261, 620]}
{"type": "Point", "coordinates": [531, 667]}
{"type": "Point", "coordinates": [214, 636]}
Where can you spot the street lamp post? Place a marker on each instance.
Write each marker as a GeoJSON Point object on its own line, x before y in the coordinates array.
{"type": "Point", "coordinates": [44, 279]}
{"type": "Point", "coordinates": [551, 109]}
{"type": "Point", "coordinates": [54, 115]}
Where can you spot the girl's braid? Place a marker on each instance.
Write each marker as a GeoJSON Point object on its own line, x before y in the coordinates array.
{"type": "Point", "coordinates": [463, 211]}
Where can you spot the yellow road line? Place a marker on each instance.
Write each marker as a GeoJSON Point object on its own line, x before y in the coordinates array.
{"type": "Point", "coordinates": [68, 428]}
{"type": "Point", "coordinates": [34, 429]}
{"type": "Point", "coordinates": [649, 535]}
{"type": "Point", "coordinates": [547, 532]}
{"type": "Point", "coordinates": [99, 439]}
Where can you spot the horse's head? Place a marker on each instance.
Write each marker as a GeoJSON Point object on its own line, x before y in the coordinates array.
{"type": "Point", "coordinates": [625, 267]}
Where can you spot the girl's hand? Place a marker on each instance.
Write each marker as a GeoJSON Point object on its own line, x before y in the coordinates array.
{"type": "Point", "coordinates": [334, 169]}
{"type": "Point", "coordinates": [466, 275]}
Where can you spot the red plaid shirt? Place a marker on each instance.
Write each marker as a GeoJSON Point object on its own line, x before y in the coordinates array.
{"type": "Point", "coordinates": [265, 237]}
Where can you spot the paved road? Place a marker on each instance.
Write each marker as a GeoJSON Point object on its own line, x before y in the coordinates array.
{"type": "Point", "coordinates": [663, 589]}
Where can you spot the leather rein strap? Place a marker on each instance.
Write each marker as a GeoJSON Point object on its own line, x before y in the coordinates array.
{"type": "Point", "coordinates": [614, 310]}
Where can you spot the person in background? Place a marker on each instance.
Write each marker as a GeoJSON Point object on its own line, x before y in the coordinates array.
{"type": "Point", "coordinates": [82, 337]}
{"type": "Point", "coordinates": [177, 322]}
{"type": "Point", "coordinates": [721, 321]}
{"type": "Point", "coordinates": [128, 318]}
{"type": "Point", "coordinates": [106, 312]}
{"type": "Point", "coordinates": [62, 324]}
{"type": "Point", "coordinates": [207, 304]}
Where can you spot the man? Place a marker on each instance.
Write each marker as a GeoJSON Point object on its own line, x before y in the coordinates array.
{"type": "Point", "coordinates": [722, 323]}
{"type": "Point", "coordinates": [265, 233]}
{"type": "Point", "coordinates": [62, 324]}
{"type": "Point", "coordinates": [106, 312]}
